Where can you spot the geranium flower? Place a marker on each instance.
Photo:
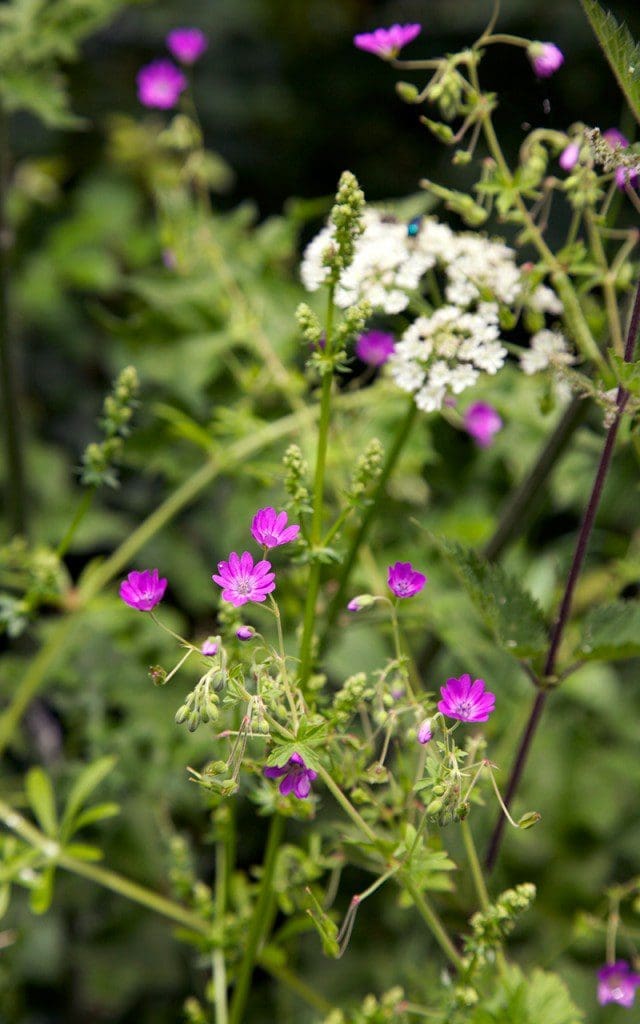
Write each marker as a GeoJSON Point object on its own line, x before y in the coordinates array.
{"type": "Point", "coordinates": [296, 777]}
{"type": "Point", "coordinates": [375, 347]}
{"type": "Point", "coordinates": [270, 529]}
{"type": "Point", "coordinates": [545, 58]}
{"type": "Point", "coordinates": [404, 580]}
{"type": "Point", "coordinates": [387, 42]}
{"type": "Point", "coordinates": [242, 581]}
{"type": "Point", "coordinates": [143, 590]}
{"type": "Point", "coordinates": [617, 983]}
{"type": "Point", "coordinates": [160, 84]}
{"type": "Point", "coordinates": [466, 701]}
{"type": "Point", "coordinates": [481, 421]}
{"type": "Point", "coordinates": [187, 44]}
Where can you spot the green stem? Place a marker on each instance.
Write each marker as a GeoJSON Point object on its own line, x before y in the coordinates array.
{"type": "Point", "coordinates": [102, 876]}
{"type": "Point", "coordinates": [347, 806]}
{"type": "Point", "coordinates": [434, 923]}
{"type": "Point", "coordinates": [315, 534]}
{"type": "Point", "coordinates": [372, 510]}
{"type": "Point", "coordinates": [83, 507]}
{"type": "Point", "coordinates": [256, 934]}
{"type": "Point", "coordinates": [9, 379]}
{"type": "Point", "coordinates": [474, 864]}
{"type": "Point", "coordinates": [271, 962]}
{"type": "Point", "coordinates": [218, 961]}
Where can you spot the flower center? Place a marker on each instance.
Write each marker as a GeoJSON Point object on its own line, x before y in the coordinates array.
{"type": "Point", "coordinates": [464, 707]}
{"type": "Point", "coordinates": [244, 585]}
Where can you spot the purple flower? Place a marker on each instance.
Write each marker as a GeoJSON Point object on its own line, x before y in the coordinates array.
{"type": "Point", "coordinates": [245, 632]}
{"type": "Point", "coordinates": [465, 700]}
{"type": "Point", "coordinates": [545, 58]}
{"type": "Point", "coordinates": [242, 581]}
{"type": "Point", "coordinates": [387, 42]}
{"type": "Point", "coordinates": [404, 580]}
{"type": "Point", "coordinates": [617, 983]}
{"type": "Point", "coordinates": [481, 421]}
{"type": "Point", "coordinates": [623, 175]}
{"type": "Point", "coordinates": [187, 44]}
{"type": "Point", "coordinates": [425, 733]}
{"type": "Point", "coordinates": [209, 647]}
{"type": "Point", "coordinates": [296, 777]}
{"type": "Point", "coordinates": [569, 156]}
{"type": "Point", "coordinates": [143, 590]}
{"type": "Point", "coordinates": [375, 347]}
{"type": "Point", "coordinates": [270, 529]}
{"type": "Point", "coordinates": [160, 84]}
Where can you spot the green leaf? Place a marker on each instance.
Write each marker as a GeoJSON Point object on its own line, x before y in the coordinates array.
{"type": "Point", "coordinates": [93, 814]}
{"type": "Point", "coordinates": [620, 49]}
{"type": "Point", "coordinates": [83, 851]}
{"type": "Point", "coordinates": [510, 612]}
{"type": "Point", "coordinates": [5, 897]}
{"type": "Point", "coordinates": [628, 374]}
{"type": "Point", "coordinates": [542, 998]}
{"type": "Point", "coordinates": [42, 892]}
{"type": "Point", "coordinates": [88, 780]}
{"type": "Point", "coordinates": [42, 800]}
{"type": "Point", "coordinates": [610, 632]}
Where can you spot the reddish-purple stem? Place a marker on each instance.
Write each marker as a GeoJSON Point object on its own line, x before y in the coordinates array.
{"type": "Point", "coordinates": [526, 739]}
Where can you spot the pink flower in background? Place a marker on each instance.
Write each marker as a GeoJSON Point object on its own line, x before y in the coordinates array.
{"type": "Point", "coordinates": [466, 701]}
{"type": "Point", "coordinates": [187, 44]}
{"type": "Point", "coordinates": [143, 590]}
{"type": "Point", "coordinates": [481, 421]}
{"type": "Point", "coordinates": [160, 84]}
{"type": "Point", "coordinates": [242, 581]}
{"type": "Point", "coordinates": [545, 58]}
{"type": "Point", "coordinates": [387, 42]}
{"type": "Point", "coordinates": [209, 647]}
{"type": "Point", "coordinates": [270, 529]}
{"type": "Point", "coordinates": [375, 347]}
{"type": "Point", "coordinates": [617, 983]}
{"type": "Point", "coordinates": [404, 580]}
{"type": "Point", "coordinates": [296, 777]}
{"type": "Point", "coordinates": [569, 156]}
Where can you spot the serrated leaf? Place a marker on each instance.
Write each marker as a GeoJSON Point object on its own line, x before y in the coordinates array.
{"type": "Point", "coordinates": [610, 632]}
{"type": "Point", "coordinates": [41, 799]}
{"type": "Point", "coordinates": [628, 374]}
{"type": "Point", "coordinates": [620, 49]}
{"type": "Point", "coordinates": [510, 612]}
{"type": "Point", "coordinates": [88, 780]}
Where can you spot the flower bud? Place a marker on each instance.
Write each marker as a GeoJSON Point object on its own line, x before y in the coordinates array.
{"type": "Point", "coordinates": [357, 604]}
{"type": "Point", "coordinates": [245, 632]}
{"type": "Point", "coordinates": [407, 92]}
{"type": "Point", "coordinates": [529, 819]}
{"type": "Point", "coordinates": [425, 733]}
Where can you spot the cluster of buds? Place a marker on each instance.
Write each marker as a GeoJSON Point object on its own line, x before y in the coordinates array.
{"type": "Point", "coordinates": [202, 704]}
{"type": "Point", "coordinates": [99, 458]}
{"type": "Point", "coordinates": [491, 926]}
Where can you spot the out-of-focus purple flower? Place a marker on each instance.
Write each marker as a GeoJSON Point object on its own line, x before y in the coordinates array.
{"type": "Point", "coordinates": [375, 347]}
{"type": "Point", "coordinates": [242, 581]}
{"type": "Point", "coordinates": [245, 632]}
{"type": "Point", "coordinates": [160, 84]}
{"type": "Point", "coordinates": [270, 529]}
{"type": "Point", "coordinates": [356, 604]}
{"type": "Point", "coordinates": [187, 44]}
{"type": "Point", "coordinates": [398, 692]}
{"type": "Point", "coordinates": [617, 983]}
{"type": "Point", "coordinates": [425, 733]}
{"type": "Point", "coordinates": [481, 421]}
{"type": "Point", "coordinates": [404, 580]}
{"type": "Point", "coordinates": [296, 777]}
{"type": "Point", "coordinates": [387, 42]}
{"type": "Point", "coordinates": [569, 156]}
{"type": "Point", "coordinates": [143, 590]}
{"type": "Point", "coordinates": [209, 647]}
{"type": "Point", "coordinates": [545, 58]}
{"type": "Point", "coordinates": [169, 260]}
{"type": "Point", "coordinates": [466, 701]}
{"type": "Point", "coordinates": [623, 175]}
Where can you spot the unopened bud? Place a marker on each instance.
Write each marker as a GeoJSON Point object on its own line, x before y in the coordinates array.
{"type": "Point", "coordinates": [425, 733]}
{"type": "Point", "coordinates": [529, 820]}
{"type": "Point", "coordinates": [407, 92]}
{"type": "Point", "coordinates": [357, 604]}
{"type": "Point", "coordinates": [181, 714]}
{"type": "Point", "coordinates": [245, 632]}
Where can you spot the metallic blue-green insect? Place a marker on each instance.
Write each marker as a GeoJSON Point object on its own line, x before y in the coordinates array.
{"type": "Point", "coordinates": [413, 227]}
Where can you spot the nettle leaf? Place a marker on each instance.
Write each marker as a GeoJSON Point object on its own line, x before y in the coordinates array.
{"type": "Point", "coordinates": [528, 1000]}
{"type": "Point", "coordinates": [620, 49]}
{"type": "Point", "coordinates": [628, 374]}
{"type": "Point", "coordinates": [283, 751]}
{"type": "Point", "coordinates": [611, 631]}
{"type": "Point", "coordinates": [509, 611]}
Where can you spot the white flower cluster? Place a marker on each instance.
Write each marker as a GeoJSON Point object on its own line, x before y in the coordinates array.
{"type": "Point", "coordinates": [446, 353]}
{"type": "Point", "coordinates": [547, 348]}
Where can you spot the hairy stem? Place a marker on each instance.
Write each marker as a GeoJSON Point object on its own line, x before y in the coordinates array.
{"type": "Point", "coordinates": [584, 535]}
{"type": "Point", "coordinates": [256, 928]}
